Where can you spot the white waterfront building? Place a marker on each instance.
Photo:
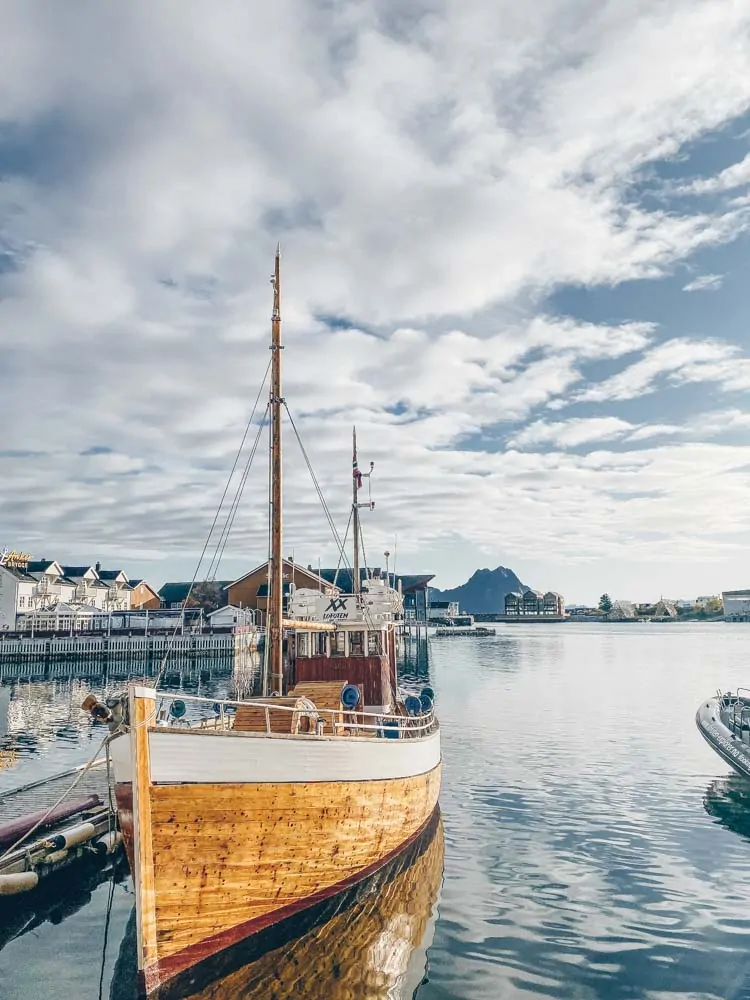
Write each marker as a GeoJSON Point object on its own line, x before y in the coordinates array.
{"type": "Point", "coordinates": [30, 588]}
{"type": "Point", "coordinates": [736, 604]}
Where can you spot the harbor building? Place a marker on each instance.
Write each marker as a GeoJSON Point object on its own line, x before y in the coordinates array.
{"type": "Point", "coordinates": [144, 597]}
{"type": "Point", "coordinates": [89, 589]}
{"type": "Point", "coordinates": [442, 610]}
{"type": "Point", "coordinates": [172, 596]}
{"type": "Point", "coordinates": [534, 604]}
{"type": "Point", "coordinates": [251, 590]}
{"type": "Point", "coordinates": [46, 587]}
{"type": "Point", "coordinates": [229, 616]}
{"type": "Point", "coordinates": [736, 605]}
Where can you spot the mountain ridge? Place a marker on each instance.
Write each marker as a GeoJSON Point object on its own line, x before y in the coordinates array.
{"type": "Point", "coordinates": [483, 593]}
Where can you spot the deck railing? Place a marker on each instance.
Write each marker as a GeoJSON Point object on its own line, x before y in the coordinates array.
{"type": "Point", "coordinates": [335, 721]}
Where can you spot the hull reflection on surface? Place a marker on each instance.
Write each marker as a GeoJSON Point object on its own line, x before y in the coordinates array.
{"type": "Point", "coordinates": [727, 800]}
{"type": "Point", "coordinates": [369, 942]}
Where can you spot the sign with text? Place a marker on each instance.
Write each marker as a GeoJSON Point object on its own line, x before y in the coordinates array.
{"type": "Point", "coordinates": [13, 559]}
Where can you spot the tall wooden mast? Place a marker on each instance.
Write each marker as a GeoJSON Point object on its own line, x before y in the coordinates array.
{"type": "Point", "coordinates": [276, 569]}
{"type": "Point", "coordinates": [356, 482]}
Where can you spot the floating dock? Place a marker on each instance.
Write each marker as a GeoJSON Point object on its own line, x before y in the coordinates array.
{"type": "Point", "coordinates": [40, 836]}
{"type": "Point", "coordinates": [464, 633]}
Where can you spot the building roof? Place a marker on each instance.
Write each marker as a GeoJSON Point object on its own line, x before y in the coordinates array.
{"type": "Point", "coordinates": [19, 574]}
{"type": "Point", "coordinates": [77, 570]}
{"type": "Point", "coordinates": [232, 607]}
{"type": "Point", "coordinates": [287, 562]}
{"type": "Point", "coordinates": [111, 574]}
{"type": "Point", "coordinates": [409, 582]}
{"type": "Point", "coordinates": [175, 593]}
{"type": "Point", "coordinates": [40, 565]}
{"type": "Point", "coordinates": [733, 593]}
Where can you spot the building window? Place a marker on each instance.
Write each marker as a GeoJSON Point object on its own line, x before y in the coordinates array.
{"type": "Point", "coordinates": [338, 644]}
{"type": "Point", "coordinates": [373, 643]}
{"type": "Point", "coordinates": [322, 647]}
{"type": "Point", "coordinates": [357, 643]}
{"type": "Point", "coordinates": [21, 602]}
{"type": "Point", "coordinates": [303, 644]}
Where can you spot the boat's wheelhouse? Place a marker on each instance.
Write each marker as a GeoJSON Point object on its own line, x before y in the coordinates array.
{"type": "Point", "coordinates": [355, 652]}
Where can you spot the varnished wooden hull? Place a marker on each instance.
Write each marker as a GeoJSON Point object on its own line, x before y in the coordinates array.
{"type": "Point", "coordinates": [369, 942]}
{"type": "Point", "coordinates": [215, 861]}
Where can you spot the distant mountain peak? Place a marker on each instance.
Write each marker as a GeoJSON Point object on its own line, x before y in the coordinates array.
{"type": "Point", "coordinates": [484, 592]}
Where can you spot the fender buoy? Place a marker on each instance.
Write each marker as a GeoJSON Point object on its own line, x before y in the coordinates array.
{"type": "Point", "coordinates": [413, 705]}
{"type": "Point", "coordinates": [177, 709]}
{"type": "Point", "coordinates": [350, 696]}
{"type": "Point", "coordinates": [426, 702]}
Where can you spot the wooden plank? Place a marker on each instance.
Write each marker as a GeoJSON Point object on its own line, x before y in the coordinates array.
{"type": "Point", "coordinates": [362, 951]}
{"type": "Point", "coordinates": [227, 855]}
{"type": "Point", "coordinates": [252, 719]}
{"type": "Point", "coordinates": [142, 713]}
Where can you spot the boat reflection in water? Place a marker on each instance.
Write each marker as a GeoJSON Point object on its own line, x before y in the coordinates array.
{"type": "Point", "coordinates": [727, 800]}
{"type": "Point", "coordinates": [369, 943]}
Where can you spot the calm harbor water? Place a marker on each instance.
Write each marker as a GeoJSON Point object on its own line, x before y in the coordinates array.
{"type": "Point", "coordinates": [594, 846]}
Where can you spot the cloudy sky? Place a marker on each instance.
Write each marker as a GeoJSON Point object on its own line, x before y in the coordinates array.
{"type": "Point", "coordinates": [515, 253]}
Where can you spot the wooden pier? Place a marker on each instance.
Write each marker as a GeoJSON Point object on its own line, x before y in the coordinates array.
{"type": "Point", "coordinates": [45, 658]}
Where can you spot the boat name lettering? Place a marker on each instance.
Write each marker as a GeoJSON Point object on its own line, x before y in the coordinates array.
{"type": "Point", "coordinates": [337, 610]}
{"type": "Point", "coordinates": [726, 743]}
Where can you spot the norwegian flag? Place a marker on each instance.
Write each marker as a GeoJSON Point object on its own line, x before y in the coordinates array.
{"type": "Point", "coordinates": [357, 475]}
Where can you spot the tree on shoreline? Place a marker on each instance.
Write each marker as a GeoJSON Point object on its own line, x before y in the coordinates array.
{"type": "Point", "coordinates": [605, 603]}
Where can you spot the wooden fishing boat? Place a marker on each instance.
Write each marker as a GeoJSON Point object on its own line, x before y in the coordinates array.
{"type": "Point", "coordinates": [236, 816]}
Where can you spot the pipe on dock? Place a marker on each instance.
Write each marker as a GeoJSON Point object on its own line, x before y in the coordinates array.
{"type": "Point", "coordinates": [78, 834]}
{"type": "Point", "coordinates": [10, 832]}
{"type": "Point", "coordinates": [12, 884]}
{"type": "Point", "coordinates": [109, 843]}
{"type": "Point", "coordinates": [55, 857]}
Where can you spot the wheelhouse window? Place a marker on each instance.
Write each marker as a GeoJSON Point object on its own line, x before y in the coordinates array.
{"type": "Point", "coordinates": [356, 643]}
{"type": "Point", "coordinates": [373, 643]}
{"type": "Point", "coordinates": [338, 644]}
{"type": "Point", "coordinates": [303, 644]}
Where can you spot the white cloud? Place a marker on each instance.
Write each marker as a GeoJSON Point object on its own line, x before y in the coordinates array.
{"type": "Point", "coordinates": [571, 433]}
{"type": "Point", "coordinates": [681, 360]}
{"type": "Point", "coordinates": [430, 177]}
{"type": "Point", "coordinates": [737, 175]}
{"type": "Point", "coordinates": [705, 283]}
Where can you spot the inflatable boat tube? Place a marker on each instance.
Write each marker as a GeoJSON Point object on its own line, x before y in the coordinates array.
{"type": "Point", "coordinates": [724, 723]}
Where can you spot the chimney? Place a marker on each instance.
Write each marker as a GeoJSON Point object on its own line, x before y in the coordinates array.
{"type": "Point", "coordinates": [98, 567]}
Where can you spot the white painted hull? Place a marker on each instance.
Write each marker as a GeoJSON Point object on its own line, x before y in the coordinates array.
{"type": "Point", "coordinates": [204, 757]}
